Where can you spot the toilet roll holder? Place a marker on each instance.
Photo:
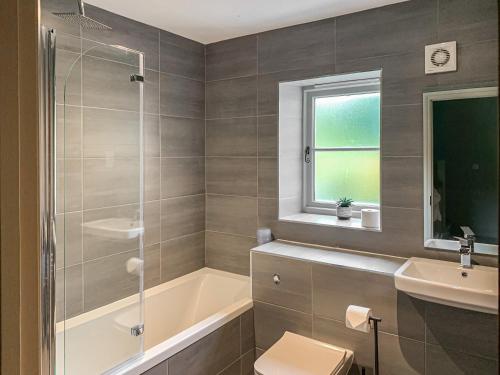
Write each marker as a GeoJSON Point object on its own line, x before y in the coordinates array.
{"type": "Point", "coordinates": [375, 322]}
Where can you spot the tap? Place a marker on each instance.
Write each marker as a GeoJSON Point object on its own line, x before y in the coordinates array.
{"type": "Point", "coordinates": [466, 247]}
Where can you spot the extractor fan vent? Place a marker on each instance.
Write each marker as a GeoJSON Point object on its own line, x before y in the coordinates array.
{"type": "Point", "coordinates": [441, 57]}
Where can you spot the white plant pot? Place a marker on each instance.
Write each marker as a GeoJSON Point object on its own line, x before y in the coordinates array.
{"type": "Point", "coordinates": [344, 213]}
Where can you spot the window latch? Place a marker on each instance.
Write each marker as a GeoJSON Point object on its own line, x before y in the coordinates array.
{"type": "Point", "coordinates": [307, 155]}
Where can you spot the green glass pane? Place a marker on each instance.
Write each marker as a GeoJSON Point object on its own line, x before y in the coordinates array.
{"type": "Point", "coordinates": [353, 174]}
{"type": "Point", "coordinates": [347, 121]}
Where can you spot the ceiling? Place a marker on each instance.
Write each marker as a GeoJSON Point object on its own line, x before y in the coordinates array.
{"type": "Point", "coordinates": [208, 21]}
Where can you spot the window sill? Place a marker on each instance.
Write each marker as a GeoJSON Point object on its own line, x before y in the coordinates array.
{"type": "Point", "coordinates": [327, 220]}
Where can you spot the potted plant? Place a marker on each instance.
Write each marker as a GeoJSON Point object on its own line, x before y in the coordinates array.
{"type": "Point", "coordinates": [344, 208]}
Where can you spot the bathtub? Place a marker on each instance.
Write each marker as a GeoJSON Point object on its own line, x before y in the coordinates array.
{"type": "Point", "coordinates": [176, 314]}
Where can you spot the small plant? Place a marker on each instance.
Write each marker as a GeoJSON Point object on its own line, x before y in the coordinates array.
{"type": "Point", "coordinates": [344, 202]}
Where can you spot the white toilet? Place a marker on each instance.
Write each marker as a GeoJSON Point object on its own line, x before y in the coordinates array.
{"type": "Point", "coordinates": [298, 355]}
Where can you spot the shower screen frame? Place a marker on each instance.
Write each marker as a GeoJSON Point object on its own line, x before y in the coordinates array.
{"type": "Point", "coordinates": [47, 194]}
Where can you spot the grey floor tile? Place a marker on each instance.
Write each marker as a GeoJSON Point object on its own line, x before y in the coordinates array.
{"type": "Point", "coordinates": [441, 361]}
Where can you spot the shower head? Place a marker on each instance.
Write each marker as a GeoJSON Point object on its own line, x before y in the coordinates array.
{"type": "Point", "coordinates": [81, 19]}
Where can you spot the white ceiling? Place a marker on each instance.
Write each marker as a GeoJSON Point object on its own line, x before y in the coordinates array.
{"type": "Point", "coordinates": [208, 21]}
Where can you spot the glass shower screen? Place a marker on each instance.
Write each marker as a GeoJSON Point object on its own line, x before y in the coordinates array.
{"type": "Point", "coordinates": [99, 205]}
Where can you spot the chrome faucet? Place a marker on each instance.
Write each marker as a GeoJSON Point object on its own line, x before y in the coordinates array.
{"type": "Point", "coordinates": [466, 247]}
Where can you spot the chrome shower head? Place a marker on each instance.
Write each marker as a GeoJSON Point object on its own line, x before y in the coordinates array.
{"type": "Point", "coordinates": [81, 19]}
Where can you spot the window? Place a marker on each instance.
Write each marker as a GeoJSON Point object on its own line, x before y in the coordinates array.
{"type": "Point", "coordinates": [342, 145]}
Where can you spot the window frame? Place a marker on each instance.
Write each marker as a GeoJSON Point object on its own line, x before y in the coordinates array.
{"type": "Point", "coordinates": [342, 88]}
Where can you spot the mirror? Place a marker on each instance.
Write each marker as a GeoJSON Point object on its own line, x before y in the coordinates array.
{"type": "Point", "coordinates": [461, 168]}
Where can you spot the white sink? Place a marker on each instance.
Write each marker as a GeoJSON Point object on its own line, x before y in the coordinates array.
{"type": "Point", "coordinates": [114, 228]}
{"type": "Point", "coordinates": [449, 284]}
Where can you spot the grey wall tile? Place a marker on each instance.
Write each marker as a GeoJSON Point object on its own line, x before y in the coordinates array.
{"type": "Point", "coordinates": [106, 84]}
{"type": "Point", "coordinates": [209, 355]}
{"type": "Point", "coordinates": [397, 355]}
{"type": "Point", "coordinates": [181, 97]}
{"type": "Point", "coordinates": [268, 177]}
{"type": "Point", "coordinates": [152, 179]}
{"type": "Point", "coordinates": [470, 71]}
{"type": "Point", "coordinates": [402, 182]}
{"type": "Point", "coordinates": [468, 21]}
{"type": "Point", "coordinates": [110, 182]}
{"type": "Point", "coordinates": [403, 76]}
{"type": "Point", "coordinates": [68, 131]}
{"type": "Point", "coordinates": [232, 98]}
{"type": "Point", "coordinates": [69, 185]}
{"type": "Point", "coordinates": [297, 47]}
{"type": "Point", "coordinates": [232, 58]}
{"type": "Point", "coordinates": [271, 322]}
{"type": "Point", "coordinates": [231, 176]}
{"type": "Point", "coordinates": [392, 29]}
{"type": "Point", "coordinates": [182, 255]}
{"type": "Point", "coordinates": [232, 137]}
{"type": "Point", "coordinates": [152, 266]}
{"type": "Point", "coordinates": [69, 239]}
{"type": "Point", "coordinates": [69, 298]}
{"type": "Point", "coordinates": [182, 137]}
{"type": "Point", "coordinates": [402, 130]}
{"type": "Point", "coordinates": [68, 77]}
{"type": "Point", "coordinates": [229, 252]}
{"type": "Point", "coordinates": [106, 280]}
{"type": "Point", "coordinates": [268, 212]}
{"type": "Point", "coordinates": [268, 135]}
{"type": "Point", "coordinates": [152, 222]}
{"type": "Point", "coordinates": [335, 288]}
{"type": "Point", "coordinates": [110, 133]}
{"type": "Point", "coordinates": [161, 369]}
{"type": "Point", "coordinates": [125, 32]}
{"type": "Point", "coordinates": [182, 176]}
{"type": "Point", "coordinates": [95, 246]}
{"type": "Point", "coordinates": [268, 85]}
{"type": "Point", "coordinates": [181, 58]}
{"type": "Point", "coordinates": [462, 330]}
{"type": "Point", "coordinates": [151, 91]}
{"type": "Point", "coordinates": [151, 135]}
{"type": "Point", "coordinates": [440, 361]}
{"type": "Point", "coordinates": [231, 214]}
{"type": "Point", "coordinates": [247, 331]}
{"type": "Point", "coordinates": [182, 216]}
{"type": "Point", "coordinates": [294, 290]}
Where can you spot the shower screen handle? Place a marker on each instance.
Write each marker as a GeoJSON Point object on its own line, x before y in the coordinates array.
{"type": "Point", "coordinates": [47, 199]}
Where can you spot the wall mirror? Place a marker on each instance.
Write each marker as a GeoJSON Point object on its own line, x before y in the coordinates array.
{"type": "Point", "coordinates": [461, 168]}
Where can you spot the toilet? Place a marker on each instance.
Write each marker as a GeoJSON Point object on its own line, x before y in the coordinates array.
{"type": "Point", "coordinates": [294, 354]}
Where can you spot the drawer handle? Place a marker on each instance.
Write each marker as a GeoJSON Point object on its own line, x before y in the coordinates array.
{"type": "Point", "coordinates": [276, 279]}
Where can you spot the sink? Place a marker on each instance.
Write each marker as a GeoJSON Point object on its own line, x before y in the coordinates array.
{"type": "Point", "coordinates": [450, 284]}
{"type": "Point", "coordinates": [114, 228]}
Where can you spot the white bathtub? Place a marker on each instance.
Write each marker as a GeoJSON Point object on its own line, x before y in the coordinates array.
{"type": "Point", "coordinates": [177, 314]}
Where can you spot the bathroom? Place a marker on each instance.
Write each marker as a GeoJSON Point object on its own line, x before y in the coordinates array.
{"type": "Point", "coordinates": [263, 187]}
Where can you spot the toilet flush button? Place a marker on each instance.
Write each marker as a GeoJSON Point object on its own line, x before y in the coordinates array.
{"type": "Point", "coordinates": [276, 279]}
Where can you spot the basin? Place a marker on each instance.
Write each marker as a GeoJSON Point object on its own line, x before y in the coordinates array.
{"type": "Point", "coordinates": [448, 283]}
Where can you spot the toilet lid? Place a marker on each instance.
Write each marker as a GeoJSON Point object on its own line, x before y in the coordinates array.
{"type": "Point", "coordinates": [298, 355]}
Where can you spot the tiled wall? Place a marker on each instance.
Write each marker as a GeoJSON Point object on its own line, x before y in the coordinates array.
{"type": "Point", "coordinates": [230, 350]}
{"type": "Point", "coordinates": [241, 94]}
{"type": "Point", "coordinates": [415, 337]}
{"type": "Point", "coordinates": [99, 166]}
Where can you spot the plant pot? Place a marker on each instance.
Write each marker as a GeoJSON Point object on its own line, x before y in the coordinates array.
{"type": "Point", "coordinates": [344, 213]}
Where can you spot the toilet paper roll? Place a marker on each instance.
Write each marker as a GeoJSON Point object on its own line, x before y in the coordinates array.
{"type": "Point", "coordinates": [357, 318]}
{"type": "Point", "coordinates": [370, 218]}
{"type": "Point", "coordinates": [134, 266]}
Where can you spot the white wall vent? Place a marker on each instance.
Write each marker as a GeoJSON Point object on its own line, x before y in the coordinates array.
{"type": "Point", "coordinates": [441, 57]}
